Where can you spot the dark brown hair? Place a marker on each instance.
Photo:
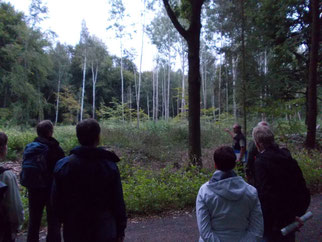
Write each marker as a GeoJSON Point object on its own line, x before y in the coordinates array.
{"type": "Point", "coordinates": [225, 158]}
{"type": "Point", "coordinates": [88, 132]}
{"type": "Point", "coordinates": [3, 139]}
{"type": "Point", "coordinates": [45, 128]}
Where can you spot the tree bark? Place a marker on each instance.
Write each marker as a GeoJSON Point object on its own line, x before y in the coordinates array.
{"type": "Point", "coordinates": [312, 84]}
{"type": "Point", "coordinates": [192, 36]}
{"type": "Point", "coordinates": [83, 89]}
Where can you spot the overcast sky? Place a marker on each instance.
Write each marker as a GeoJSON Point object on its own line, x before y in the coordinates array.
{"type": "Point", "coordinates": [65, 18]}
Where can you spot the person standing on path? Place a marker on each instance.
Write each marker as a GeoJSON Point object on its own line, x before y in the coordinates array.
{"type": "Point", "coordinates": [280, 184]}
{"type": "Point", "coordinates": [227, 208]}
{"type": "Point", "coordinates": [39, 160]}
{"type": "Point", "coordinates": [11, 210]}
{"type": "Point", "coordinates": [87, 192]}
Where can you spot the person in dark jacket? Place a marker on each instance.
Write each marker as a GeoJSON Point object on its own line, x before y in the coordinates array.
{"type": "Point", "coordinates": [39, 198]}
{"type": "Point", "coordinates": [280, 184]}
{"type": "Point", "coordinates": [251, 157]}
{"type": "Point", "coordinates": [87, 191]}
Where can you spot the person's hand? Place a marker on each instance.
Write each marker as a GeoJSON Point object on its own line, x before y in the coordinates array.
{"type": "Point", "coordinates": [301, 223]}
{"type": "Point", "coordinates": [226, 129]}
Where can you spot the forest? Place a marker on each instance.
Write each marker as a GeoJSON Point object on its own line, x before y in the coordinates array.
{"type": "Point", "coordinates": [219, 62]}
{"type": "Point", "coordinates": [254, 61]}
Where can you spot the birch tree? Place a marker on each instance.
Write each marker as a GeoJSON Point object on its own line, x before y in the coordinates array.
{"type": "Point", "coordinates": [96, 54]}
{"type": "Point", "coordinates": [84, 46]}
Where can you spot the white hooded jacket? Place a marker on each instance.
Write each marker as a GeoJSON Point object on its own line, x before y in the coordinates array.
{"type": "Point", "coordinates": [228, 209]}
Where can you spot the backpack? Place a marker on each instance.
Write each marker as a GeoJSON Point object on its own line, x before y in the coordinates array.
{"type": "Point", "coordinates": [34, 173]}
{"type": "Point", "coordinates": [3, 186]}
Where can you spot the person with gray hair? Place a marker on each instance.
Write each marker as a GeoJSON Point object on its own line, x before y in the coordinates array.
{"type": "Point", "coordinates": [280, 184]}
{"type": "Point", "coordinates": [252, 153]}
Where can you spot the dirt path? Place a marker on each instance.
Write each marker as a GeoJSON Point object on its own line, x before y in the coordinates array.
{"type": "Point", "coordinates": [182, 227]}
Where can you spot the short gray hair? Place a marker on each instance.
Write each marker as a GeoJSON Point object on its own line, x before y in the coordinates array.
{"type": "Point", "coordinates": [263, 136]}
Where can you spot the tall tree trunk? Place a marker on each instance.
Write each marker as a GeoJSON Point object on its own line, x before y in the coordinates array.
{"type": "Point", "coordinates": [58, 93]}
{"type": "Point", "coordinates": [140, 73]}
{"type": "Point", "coordinates": [312, 84]}
{"type": "Point", "coordinates": [83, 89]}
{"type": "Point", "coordinates": [234, 71]}
{"type": "Point", "coordinates": [157, 94]}
{"type": "Point", "coordinates": [153, 95]}
{"type": "Point", "coordinates": [94, 76]}
{"type": "Point", "coordinates": [168, 88]}
{"type": "Point", "coordinates": [122, 80]}
{"type": "Point", "coordinates": [192, 36]}
{"type": "Point", "coordinates": [243, 69]}
{"type": "Point", "coordinates": [147, 104]}
{"type": "Point", "coordinates": [183, 102]}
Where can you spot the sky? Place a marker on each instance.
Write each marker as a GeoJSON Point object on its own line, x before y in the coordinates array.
{"type": "Point", "coordinates": [65, 18]}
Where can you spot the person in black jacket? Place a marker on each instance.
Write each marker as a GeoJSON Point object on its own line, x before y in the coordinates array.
{"type": "Point", "coordinates": [251, 157]}
{"type": "Point", "coordinates": [87, 191]}
{"type": "Point", "coordinates": [40, 197]}
{"type": "Point", "coordinates": [280, 184]}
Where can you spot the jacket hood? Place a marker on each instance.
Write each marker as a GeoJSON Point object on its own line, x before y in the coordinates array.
{"type": "Point", "coordinates": [227, 185]}
{"type": "Point", "coordinates": [94, 153]}
{"type": "Point", "coordinates": [47, 141]}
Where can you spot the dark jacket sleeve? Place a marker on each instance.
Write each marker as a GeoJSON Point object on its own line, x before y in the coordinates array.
{"type": "Point", "coordinates": [265, 191]}
{"type": "Point", "coordinates": [118, 205]}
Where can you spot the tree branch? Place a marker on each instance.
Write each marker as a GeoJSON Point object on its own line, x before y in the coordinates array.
{"type": "Point", "coordinates": [174, 20]}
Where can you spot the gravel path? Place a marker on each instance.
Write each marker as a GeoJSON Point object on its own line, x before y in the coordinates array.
{"type": "Point", "coordinates": [181, 226]}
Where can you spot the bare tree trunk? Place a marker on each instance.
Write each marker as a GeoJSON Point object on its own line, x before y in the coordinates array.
{"type": "Point", "coordinates": [243, 69]}
{"type": "Point", "coordinates": [234, 71]}
{"type": "Point", "coordinates": [122, 80]}
{"type": "Point", "coordinates": [219, 89]}
{"type": "Point", "coordinates": [310, 141]}
{"type": "Point", "coordinates": [153, 96]}
{"type": "Point", "coordinates": [183, 102]}
{"type": "Point", "coordinates": [83, 89]}
{"type": "Point", "coordinates": [157, 94]}
{"type": "Point", "coordinates": [140, 73]}
{"type": "Point", "coordinates": [58, 93]}
{"type": "Point", "coordinates": [94, 76]}
{"type": "Point", "coordinates": [168, 88]}
{"type": "Point", "coordinates": [147, 104]}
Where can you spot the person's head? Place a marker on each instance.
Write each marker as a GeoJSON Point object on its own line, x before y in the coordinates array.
{"type": "Point", "coordinates": [88, 132]}
{"type": "Point", "coordinates": [263, 137]}
{"type": "Point", "coordinates": [237, 128]}
{"type": "Point", "coordinates": [45, 129]}
{"type": "Point", "coordinates": [263, 123]}
{"type": "Point", "coordinates": [224, 158]}
{"type": "Point", "coordinates": [3, 144]}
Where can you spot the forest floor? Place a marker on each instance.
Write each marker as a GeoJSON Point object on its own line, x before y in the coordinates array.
{"type": "Point", "coordinates": [182, 226]}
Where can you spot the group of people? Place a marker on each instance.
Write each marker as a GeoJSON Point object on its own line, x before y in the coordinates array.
{"type": "Point", "coordinates": [230, 209]}
{"type": "Point", "coordinates": [83, 193]}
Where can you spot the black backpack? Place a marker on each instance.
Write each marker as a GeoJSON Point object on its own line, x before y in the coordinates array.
{"type": "Point", "coordinates": [34, 173]}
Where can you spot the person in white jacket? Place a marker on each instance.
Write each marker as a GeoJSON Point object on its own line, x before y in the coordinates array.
{"type": "Point", "coordinates": [11, 209]}
{"type": "Point", "coordinates": [227, 208]}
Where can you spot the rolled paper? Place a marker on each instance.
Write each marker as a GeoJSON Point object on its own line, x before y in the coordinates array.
{"type": "Point", "coordinates": [289, 228]}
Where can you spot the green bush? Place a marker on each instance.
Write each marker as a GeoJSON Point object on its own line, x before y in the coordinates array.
{"type": "Point", "coordinates": [311, 166]}
{"type": "Point", "coordinates": [146, 191]}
